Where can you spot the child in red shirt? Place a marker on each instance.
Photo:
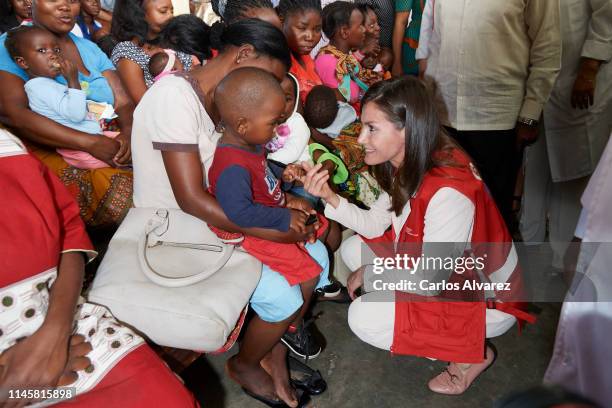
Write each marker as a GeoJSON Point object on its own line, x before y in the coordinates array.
{"type": "Point", "coordinates": [251, 104]}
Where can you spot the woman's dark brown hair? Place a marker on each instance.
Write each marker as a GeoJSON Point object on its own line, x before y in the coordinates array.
{"type": "Point", "coordinates": [410, 104]}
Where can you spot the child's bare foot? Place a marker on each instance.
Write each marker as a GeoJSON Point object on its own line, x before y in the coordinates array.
{"type": "Point", "coordinates": [275, 364]}
{"type": "Point", "coordinates": [253, 379]}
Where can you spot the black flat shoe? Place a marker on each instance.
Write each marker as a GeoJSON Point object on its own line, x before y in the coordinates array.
{"type": "Point", "coordinates": [341, 297]}
{"type": "Point", "coordinates": [302, 396]}
{"type": "Point", "coordinates": [312, 382]}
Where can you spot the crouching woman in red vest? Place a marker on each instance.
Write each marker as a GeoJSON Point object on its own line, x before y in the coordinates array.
{"type": "Point", "coordinates": [433, 195]}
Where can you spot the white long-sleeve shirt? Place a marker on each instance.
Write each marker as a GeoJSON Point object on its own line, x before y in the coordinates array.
{"type": "Point", "coordinates": [495, 60]}
{"type": "Point", "coordinates": [448, 219]}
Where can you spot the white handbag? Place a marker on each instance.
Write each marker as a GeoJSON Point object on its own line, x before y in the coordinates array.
{"type": "Point", "coordinates": [177, 249]}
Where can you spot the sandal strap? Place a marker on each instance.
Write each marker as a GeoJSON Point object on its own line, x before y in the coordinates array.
{"type": "Point", "coordinates": [313, 147]}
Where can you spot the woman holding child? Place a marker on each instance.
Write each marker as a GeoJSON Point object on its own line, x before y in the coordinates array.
{"type": "Point", "coordinates": [432, 193]}
{"type": "Point", "coordinates": [343, 23]}
{"type": "Point", "coordinates": [137, 26]}
{"type": "Point", "coordinates": [177, 124]}
{"type": "Point", "coordinates": [104, 195]}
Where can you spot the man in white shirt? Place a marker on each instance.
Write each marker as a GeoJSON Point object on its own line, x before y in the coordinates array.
{"type": "Point", "coordinates": [577, 122]}
{"type": "Point", "coordinates": [496, 62]}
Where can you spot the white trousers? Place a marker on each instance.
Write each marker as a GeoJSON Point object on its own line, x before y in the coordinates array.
{"type": "Point", "coordinates": [373, 320]}
{"type": "Point", "coordinates": [557, 203]}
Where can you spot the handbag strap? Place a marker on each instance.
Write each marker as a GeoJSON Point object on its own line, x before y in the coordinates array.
{"type": "Point", "coordinates": [161, 280]}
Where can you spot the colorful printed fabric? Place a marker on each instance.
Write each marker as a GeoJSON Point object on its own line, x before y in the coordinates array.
{"type": "Point", "coordinates": [104, 195]}
{"type": "Point", "coordinates": [349, 69]}
{"type": "Point", "coordinates": [361, 187]}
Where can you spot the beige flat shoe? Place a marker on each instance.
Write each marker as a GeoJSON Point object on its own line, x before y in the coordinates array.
{"type": "Point", "coordinates": [454, 380]}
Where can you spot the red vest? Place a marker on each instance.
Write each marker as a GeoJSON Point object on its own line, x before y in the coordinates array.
{"type": "Point", "coordinates": [447, 330]}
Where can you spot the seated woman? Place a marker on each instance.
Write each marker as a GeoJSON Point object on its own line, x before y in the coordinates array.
{"type": "Point", "coordinates": [231, 11]}
{"type": "Point", "coordinates": [104, 195]}
{"type": "Point", "coordinates": [66, 105]}
{"type": "Point", "coordinates": [432, 194]}
{"type": "Point", "coordinates": [137, 26]}
{"type": "Point", "coordinates": [13, 13]}
{"type": "Point", "coordinates": [187, 34]}
{"type": "Point", "coordinates": [302, 28]}
{"type": "Point", "coordinates": [88, 26]}
{"type": "Point", "coordinates": [48, 339]}
{"type": "Point", "coordinates": [371, 55]}
{"type": "Point", "coordinates": [94, 24]}
{"type": "Point", "coordinates": [176, 136]}
{"type": "Point", "coordinates": [338, 68]}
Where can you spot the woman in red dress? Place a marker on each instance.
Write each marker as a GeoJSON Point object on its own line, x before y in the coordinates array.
{"type": "Point", "coordinates": [48, 339]}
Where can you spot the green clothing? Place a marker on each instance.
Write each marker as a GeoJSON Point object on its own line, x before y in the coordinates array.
{"type": "Point", "coordinates": [411, 34]}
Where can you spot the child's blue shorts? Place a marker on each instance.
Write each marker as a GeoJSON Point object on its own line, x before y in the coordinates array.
{"type": "Point", "coordinates": [274, 300]}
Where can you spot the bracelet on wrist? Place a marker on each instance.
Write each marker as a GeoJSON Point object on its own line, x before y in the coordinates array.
{"type": "Point", "coordinates": [527, 121]}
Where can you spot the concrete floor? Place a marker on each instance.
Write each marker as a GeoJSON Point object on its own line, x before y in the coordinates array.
{"type": "Point", "coordinates": [359, 375]}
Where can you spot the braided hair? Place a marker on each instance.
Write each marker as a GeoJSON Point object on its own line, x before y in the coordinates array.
{"type": "Point", "coordinates": [287, 7]}
{"type": "Point", "coordinates": [232, 10]}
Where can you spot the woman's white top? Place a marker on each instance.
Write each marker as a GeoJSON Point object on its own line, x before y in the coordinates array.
{"type": "Point", "coordinates": [448, 218]}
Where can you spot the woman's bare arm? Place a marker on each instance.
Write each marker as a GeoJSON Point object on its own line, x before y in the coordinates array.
{"type": "Point", "coordinates": [186, 178]}
{"type": "Point", "coordinates": [124, 107]}
{"type": "Point", "coordinates": [15, 112]}
{"type": "Point", "coordinates": [399, 27]}
{"type": "Point", "coordinates": [132, 78]}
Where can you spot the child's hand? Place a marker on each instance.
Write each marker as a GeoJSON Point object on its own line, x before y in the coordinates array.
{"type": "Point", "coordinates": [371, 48]}
{"type": "Point", "coordinates": [299, 203]}
{"type": "Point", "coordinates": [293, 172]}
{"type": "Point", "coordinates": [70, 72]}
{"type": "Point", "coordinates": [316, 183]}
{"type": "Point", "coordinates": [298, 221]}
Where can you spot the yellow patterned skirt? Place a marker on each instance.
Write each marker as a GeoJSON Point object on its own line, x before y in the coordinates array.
{"type": "Point", "coordinates": [104, 195]}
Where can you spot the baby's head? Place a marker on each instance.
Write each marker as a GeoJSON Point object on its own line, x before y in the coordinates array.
{"type": "Point", "coordinates": [35, 50]}
{"type": "Point", "coordinates": [386, 58]}
{"type": "Point", "coordinates": [164, 62]}
{"type": "Point", "coordinates": [251, 104]}
{"type": "Point", "coordinates": [320, 107]}
{"type": "Point", "coordinates": [290, 88]}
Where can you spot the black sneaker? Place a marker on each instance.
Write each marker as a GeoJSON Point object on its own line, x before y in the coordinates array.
{"type": "Point", "coordinates": [301, 342]}
{"type": "Point", "coordinates": [331, 290]}
{"type": "Point", "coordinates": [334, 292]}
